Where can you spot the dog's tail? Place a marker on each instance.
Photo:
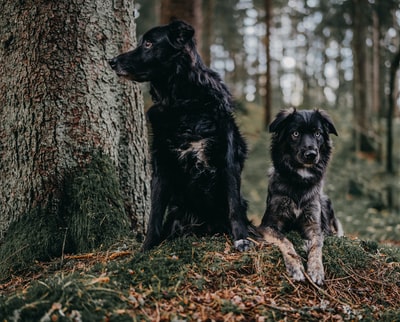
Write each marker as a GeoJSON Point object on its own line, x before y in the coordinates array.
{"type": "Point", "coordinates": [334, 227]}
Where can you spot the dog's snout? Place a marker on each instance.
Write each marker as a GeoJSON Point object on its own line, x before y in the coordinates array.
{"type": "Point", "coordinates": [310, 155]}
{"type": "Point", "coordinates": [113, 62]}
{"type": "Point", "coordinates": [118, 66]}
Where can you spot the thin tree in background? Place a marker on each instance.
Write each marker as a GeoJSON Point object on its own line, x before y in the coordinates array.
{"type": "Point", "coordinates": [208, 26]}
{"type": "Point", "coordinates": [73, 142]}
{"type": "Point", "coordinates": [376, 78]}
{"type": "Point", "coordinates": [268, 86]}
{"type": "Point", "coordinates": [361, 103]}
{"type": "Point", "coordinates": [394, 66]}
{"type": "Point", "coordinates": [189, 11]}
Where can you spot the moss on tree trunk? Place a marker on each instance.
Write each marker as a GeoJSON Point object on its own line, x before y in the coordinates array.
{"type": "Point", "coordinates": [91, 216]}
{"type": "Point", "coordinates": [92, 207]}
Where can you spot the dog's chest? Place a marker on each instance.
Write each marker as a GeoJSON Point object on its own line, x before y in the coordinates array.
{"type": "Point", "coordinates": [193, 153]}
{"type": "Point", "coordinates": [297, 211]}
{"type": "Point", "coordinates": [292, 200]}
{"type": "Point", "coordinates": [186, 139]}
{"type": "Point", "coordinates": [305, 173]}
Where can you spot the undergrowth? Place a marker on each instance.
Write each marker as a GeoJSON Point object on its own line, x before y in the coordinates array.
{"type": "Point", "coordinates": [206, 279]}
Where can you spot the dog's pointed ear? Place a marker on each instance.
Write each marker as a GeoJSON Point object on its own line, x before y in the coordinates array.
{"type": "Point", "coordinates": [327, 121]}
{"type": "Point", "coordinates": [280, 119]}
{"type": "Point", "coordinates": [180, 33]}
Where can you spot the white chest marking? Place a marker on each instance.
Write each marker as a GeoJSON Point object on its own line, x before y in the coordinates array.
{"type": "Point", "coordinates": [297, 212]}
{"type": "Point", "coordinates": [198, 148]}
{"type": "Point", "coordinates": [304, 173]}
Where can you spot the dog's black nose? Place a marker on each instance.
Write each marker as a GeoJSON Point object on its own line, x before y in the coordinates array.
{"type": "Point", "coordinates": [113, 62]}
{"type": "Point", "coordinates": [310, 155]}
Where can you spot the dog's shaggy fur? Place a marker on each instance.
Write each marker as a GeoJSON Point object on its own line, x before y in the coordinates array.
{"type": "Point", "coordinates": [197, 149]}
{"type": "Point", "coordinates": [300, 150]}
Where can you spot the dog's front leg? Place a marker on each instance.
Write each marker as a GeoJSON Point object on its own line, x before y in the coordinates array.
{"type": "Point", "coordinates": [315, 242]}
{"type": "Point", "coordinates": [159, 201]}
{"type": "Point", "coordinates": [315, 268]}
{"type": "Point", "coordinates": [294, 266]}
{"type": "Point", "coordinates": [237, 213]}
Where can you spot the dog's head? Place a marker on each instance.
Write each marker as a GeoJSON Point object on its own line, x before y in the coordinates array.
{"type": "Point", "coordinates": [302, 137]}
{"type": "Point", "coordinates": [157, 52]}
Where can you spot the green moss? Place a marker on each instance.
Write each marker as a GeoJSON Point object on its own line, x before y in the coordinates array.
{"type": "Point", "coordinates": [164, 267]}
{"type": "Point", "coordinates": [65, 298]}
{"type": "Point", "coordinates": [229, 307]}
{"type": "Point", "coordinates": [392, 254]}
{"type": "Point", "coordinates": [389, 315]}
{"type": "Point", "coordinates": [341, 254]}
{"type": "Point", "coordinates": [36, 236]}
{"type": "Point", "coordinates": [163, 279]}
{"type": "Point", "coordinates": [89, 216]}
{"type": "Point", "coordinates": [92, 206]}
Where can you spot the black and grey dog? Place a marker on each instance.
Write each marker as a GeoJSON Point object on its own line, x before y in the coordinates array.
{"type": "Point", "coordinates": [300, 151]}
{"type": "Point", "coordinates": [197, 150]}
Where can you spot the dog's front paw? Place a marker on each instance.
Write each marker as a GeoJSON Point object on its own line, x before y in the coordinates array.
{"type": "Point", "coordinates": [242, 245]}
{"type": "Point", "coordinates": [294, 266]}
{"type": "Point", "coordinates": [317, 277]}
{"type": "Point", "coordinates": [296, 272]}
{"type": "Point", "coordinates": [316, 273]}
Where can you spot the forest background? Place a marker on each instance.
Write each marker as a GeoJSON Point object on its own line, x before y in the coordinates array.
{"type": "Point", "coordinates": [75, 176]}
{"type": "Point", "coordinates": [338, 55]}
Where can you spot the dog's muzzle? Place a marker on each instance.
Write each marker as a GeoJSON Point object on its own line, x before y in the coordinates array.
{"type": "Point", "coordinates": [113, 62]}
{"type": "Point", "coordinates": [310, 157]}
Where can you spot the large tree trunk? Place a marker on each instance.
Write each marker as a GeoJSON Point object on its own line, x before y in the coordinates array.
{"type": "Point", "coordinates": [73, 142]}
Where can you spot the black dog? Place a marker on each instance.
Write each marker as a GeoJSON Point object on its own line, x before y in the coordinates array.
{"type": "Point", "coordinates": [197, 149]}
{"type": "Point", "coordinates": [300, 150]}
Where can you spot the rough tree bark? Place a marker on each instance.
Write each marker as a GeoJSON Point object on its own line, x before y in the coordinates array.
{"type": "Point", "coordinates": [73, 141]}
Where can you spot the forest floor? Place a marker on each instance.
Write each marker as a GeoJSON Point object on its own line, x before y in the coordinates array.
{"type": "Point", "coordinates": [192, 279]}
{"type": "Point", "coordinates": [205, 279]}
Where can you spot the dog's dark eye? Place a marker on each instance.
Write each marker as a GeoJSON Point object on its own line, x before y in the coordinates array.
{"type": "Point", "coordinates": [147, 44]}
{"type": "Point", "coordinates": [317, 134]}
{"type": "Point", "coordinates": [295, 134]}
